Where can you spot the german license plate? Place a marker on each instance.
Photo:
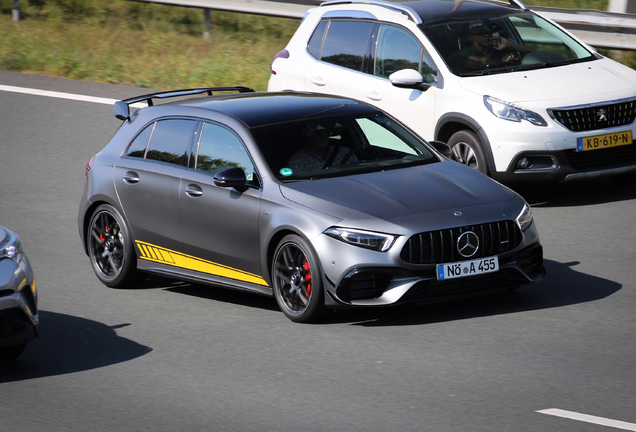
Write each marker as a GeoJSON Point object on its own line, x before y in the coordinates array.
{"type": "Point", "coordinates": [467, 268]}
{"type": "Point", "coordinates": [604, 141]}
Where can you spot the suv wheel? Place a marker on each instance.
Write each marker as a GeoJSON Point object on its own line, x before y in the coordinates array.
{"type": "Point", "coordinates": [467, 150]}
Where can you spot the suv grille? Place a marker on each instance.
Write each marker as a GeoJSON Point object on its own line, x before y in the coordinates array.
{"type": "Point", "coordinates": [596, 117]}
{"type": "Point", "coordinates": [435, 247]}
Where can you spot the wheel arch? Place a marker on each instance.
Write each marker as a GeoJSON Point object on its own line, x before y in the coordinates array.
{"type": "Point", "coordinates": [451, 123]}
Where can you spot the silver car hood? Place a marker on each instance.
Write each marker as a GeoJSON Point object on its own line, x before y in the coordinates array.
{"type": "Point", "coordinates": [402, 195]}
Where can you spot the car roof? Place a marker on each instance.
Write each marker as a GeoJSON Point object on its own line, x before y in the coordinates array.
{"type": "Point", "coordinates": [261, 109]}
{"type": "Point", "coordinates": [432, 11]}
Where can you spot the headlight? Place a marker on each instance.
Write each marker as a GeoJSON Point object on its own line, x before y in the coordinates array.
{"type": "Point", "coordinates": [366, 239]}
{"type": "Point", "coordinates": [525, 217]}
{"type": "Point", "coordinates": [508, 111]}
{"type": "Point", "coordinates": [10, 247]}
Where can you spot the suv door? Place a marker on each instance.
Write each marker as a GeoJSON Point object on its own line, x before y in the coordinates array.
{"type": "Point", "coordinates": [398, 49]}
{"type": "Point", "coordinates": [342, 49]}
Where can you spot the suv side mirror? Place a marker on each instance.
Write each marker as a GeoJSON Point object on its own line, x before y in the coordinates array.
{"type": "Point", "coordinates": [408, 78]}
{"type": "Point", "coordinates": [441, 147]}
{"type": "Point", "coordinates": [231, 177]}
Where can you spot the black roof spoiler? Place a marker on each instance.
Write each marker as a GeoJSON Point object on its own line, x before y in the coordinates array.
{"type": "Point", "coordinates": [122, 107]}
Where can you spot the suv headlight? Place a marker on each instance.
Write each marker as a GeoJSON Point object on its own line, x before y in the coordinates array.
{"type": "Point", "coordinates": [525, 217]}
{"type": "Point", "coordinates": [10, 246]}
{"type": "Point", "coordinates": [508, 111]}
{"type": "Point", "coordinates": [366, 239]}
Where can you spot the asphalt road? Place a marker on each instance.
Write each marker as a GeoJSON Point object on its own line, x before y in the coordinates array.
{"type": "Point", "coordinates": [172, 356]}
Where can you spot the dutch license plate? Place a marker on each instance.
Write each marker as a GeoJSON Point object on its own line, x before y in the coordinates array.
{"type": "Point", "coordinates": [604, 141]}
{"type": "Point", "coordinates": [467, 268]}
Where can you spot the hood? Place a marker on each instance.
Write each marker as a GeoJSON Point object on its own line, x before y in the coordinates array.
{"type": "Point", "coordinates": [604, 78]}
{"type": "Point", "coordinates": [396, 194]}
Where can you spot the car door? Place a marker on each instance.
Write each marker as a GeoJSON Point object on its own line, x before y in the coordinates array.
{"type": "Point", "coordinates": [220, 225]}
{"type": "Point", "coordinates": [148, 180]}
{"type": "Point", "coordinates": [342, 57]}
{"type": "Point", "coordinates": [398, 49]}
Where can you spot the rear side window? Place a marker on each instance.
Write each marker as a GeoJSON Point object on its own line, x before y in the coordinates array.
{"type": "Point", "coordinates": [171, 140]}
{"type": "Point", "coordinates": [315, 43]}
{"type": "Point", "coordinates": [347, 43]}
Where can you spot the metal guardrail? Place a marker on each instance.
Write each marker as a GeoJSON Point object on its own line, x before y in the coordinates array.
{"type": "Point", "coordinates": [599, 29]}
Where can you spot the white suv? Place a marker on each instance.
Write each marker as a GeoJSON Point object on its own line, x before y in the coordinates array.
{"type": "Point", "coordinates": [513, 94]}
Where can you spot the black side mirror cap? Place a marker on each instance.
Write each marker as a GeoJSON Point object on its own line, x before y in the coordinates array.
{"type": "Point", "coordinates": [441, 147]}
{"type": "Point", "coordinates": [231, 177]}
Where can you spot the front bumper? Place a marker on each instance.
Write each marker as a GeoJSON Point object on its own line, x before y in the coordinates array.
{"type": "Point", "coordinates": [373, 286]}
{"type": "Point", "coordinates": [19, 318]}
{"type": "Point", "coordinates": [567, 165]}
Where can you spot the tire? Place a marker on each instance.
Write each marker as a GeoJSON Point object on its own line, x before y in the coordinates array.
{"type": "Point", "coordinates": [467, 150]}
{"type": "Point", "coordinates": [297, 280]}
{"type": "Point", "coordinates": [111, 250]}
{"type": "Point", "coordinates": [11, 352]}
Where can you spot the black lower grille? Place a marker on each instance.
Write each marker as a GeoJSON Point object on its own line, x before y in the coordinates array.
{"type": "Point", "coordinates": [596, 117]}
{"type": "Point", "coordinates": [601, 159]}
{"type": "Point", "coordinates": [436, 247]}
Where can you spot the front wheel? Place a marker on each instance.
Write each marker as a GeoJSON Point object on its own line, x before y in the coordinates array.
{"type": "Point", "coordinates": [111, 250]}
{"type": "Point", "coordinates": [297, 280]}
{"type": "Point", "coordinates": [467, 150]}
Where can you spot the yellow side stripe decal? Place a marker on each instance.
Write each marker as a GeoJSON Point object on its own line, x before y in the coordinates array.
{"type": "Point", "coordinates": [165, 256]}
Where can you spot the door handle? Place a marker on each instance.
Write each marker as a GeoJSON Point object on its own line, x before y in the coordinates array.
{"type": "Point", "coordinates": [194, 190]}
{"type": "Point", "coordinates": [131, 177]}
{"type": "Point", "coordinates": [319, 81]}
{"type": "Point", "coordinates": [373, 95]}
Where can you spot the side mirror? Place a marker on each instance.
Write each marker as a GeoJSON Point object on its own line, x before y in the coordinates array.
{"type": "Point", "coordinates": [441, 147]}
{"type": "Point", "coordinates": [231, 177]}
{"type": "Point", "coordinates": [408, 78]}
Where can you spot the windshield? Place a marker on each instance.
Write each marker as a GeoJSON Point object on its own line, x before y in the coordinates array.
{"type": "Point", "coordinates": [339, 146]}
{"type": "Point", "coordinates": [513, 42]}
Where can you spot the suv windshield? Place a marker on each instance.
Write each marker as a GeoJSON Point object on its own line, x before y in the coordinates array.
{"type": "Point", "coordinates": [338, 146]}
{"type": "Point", "coordinates": [507, 43]}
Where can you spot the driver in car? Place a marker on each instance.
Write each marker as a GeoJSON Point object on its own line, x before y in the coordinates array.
{"type": "Point", "coordinates": [318, 152]}
{"type": "Point", "coordinates": [487, 49]}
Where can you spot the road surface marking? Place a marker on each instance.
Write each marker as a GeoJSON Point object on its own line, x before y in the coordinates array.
{"type": "Point", "coordinates": [61, 95]}
{"type": "Point", "coordinates": [589, 419]}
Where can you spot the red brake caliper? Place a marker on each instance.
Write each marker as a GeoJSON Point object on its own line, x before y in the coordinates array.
{"type": "Point", "coordinates": [307, 277]}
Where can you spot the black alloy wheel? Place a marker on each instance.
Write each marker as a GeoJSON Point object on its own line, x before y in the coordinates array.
{"type": "Point", "coordinates": [110, 249]}
{"type": "Point", "coordinates": [297, 280]}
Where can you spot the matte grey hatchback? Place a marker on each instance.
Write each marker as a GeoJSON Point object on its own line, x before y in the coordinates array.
{"type": "Point", "coordinates": [319, 201]}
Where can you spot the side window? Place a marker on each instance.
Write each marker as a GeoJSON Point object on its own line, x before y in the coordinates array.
{"type": "Point", "coordinates": [220, 149]}
{"type": "Point", "coordinates": [170, 141]}
{"type": "Point", "coordinates": [315, 43]}
{"type": "Point", "coordinates": [347, 43]}
{"type": "Point", "coordinates": [138, 146]}
{"type": "Point", "coordinates": [398, 49]}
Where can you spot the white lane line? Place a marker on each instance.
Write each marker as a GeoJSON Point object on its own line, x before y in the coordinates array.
{"type": "Point", "coordinates": [61, 95]}
{"type": "Point", "coordinates": [58, 95]}
{"type": "Point", "coordinates": [589, 419]}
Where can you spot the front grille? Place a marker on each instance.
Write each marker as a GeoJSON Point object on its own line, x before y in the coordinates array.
{"type": "Point", "coordinates": [596, 117]}
{"type": "Point", "coordinates": [435, 247]}
{"type": "Point", "coordinates": [612, 157]}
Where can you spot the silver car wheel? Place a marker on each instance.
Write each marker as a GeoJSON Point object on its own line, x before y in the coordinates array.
{"type": "Point", "coordinates": [297, 281]}
{"type": "Point", "coordinates": [466, 149]}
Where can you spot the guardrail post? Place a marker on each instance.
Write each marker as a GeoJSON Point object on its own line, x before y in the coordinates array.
{"type": "Point", "coordinates": [622, 6]}
{"type": "Point", "coordinates": [16, 10]}
{"type": "Point", "coordinates": [208, 23]}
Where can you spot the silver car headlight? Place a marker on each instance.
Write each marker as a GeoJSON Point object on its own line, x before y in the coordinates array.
{"type": "Point", "coordinates": [11, 247]}
{"type": "Point", "coordinates": [508, 111]}
{"type": "Point", "coordinates": [525, 217]}
{"type": "Point", "coordinates": [366, 239]}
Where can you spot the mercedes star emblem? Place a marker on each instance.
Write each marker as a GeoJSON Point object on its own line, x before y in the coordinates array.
{"type": "Point", "coordinates": [467, 244]}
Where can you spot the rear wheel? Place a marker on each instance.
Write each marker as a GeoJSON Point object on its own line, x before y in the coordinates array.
{"type": "Point", "coordinates": [297, 280]}
{"type": "Point", "coordinates": [111, 250]}
{"type": "Point", "coordinates": [467, 150]}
